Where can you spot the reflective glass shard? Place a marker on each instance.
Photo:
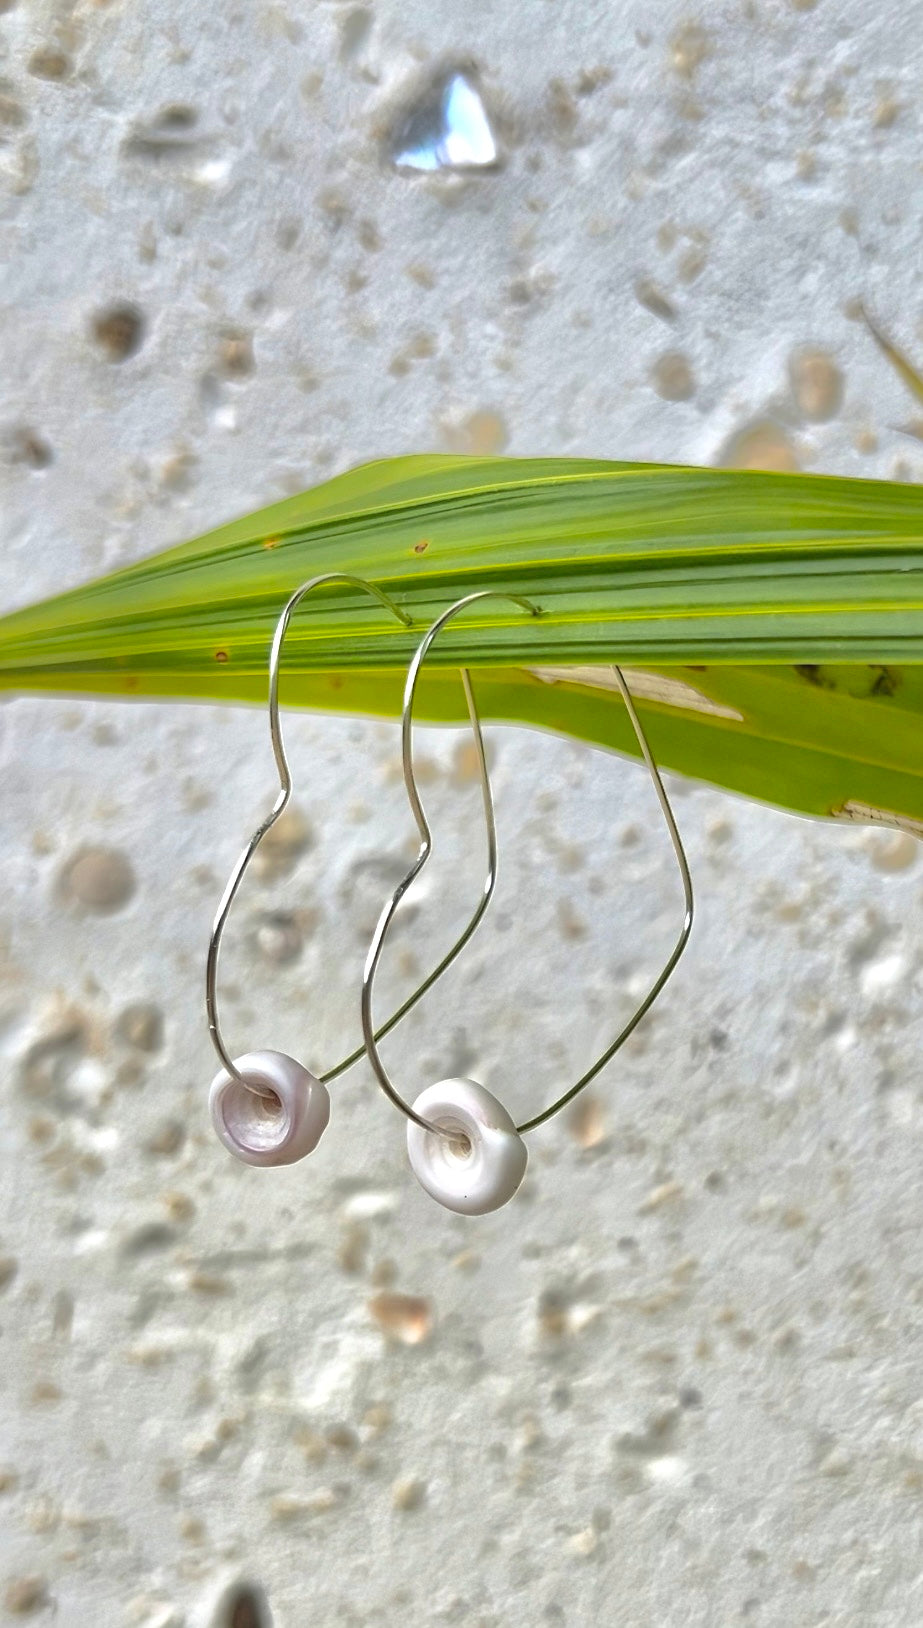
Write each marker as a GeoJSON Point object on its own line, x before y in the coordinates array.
{"type": "Point", "coordinates": [450, 131]}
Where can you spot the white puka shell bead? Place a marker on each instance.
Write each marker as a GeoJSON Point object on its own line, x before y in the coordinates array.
{"type": "Point", "coordinates": [484, 1177]}
{"type": "Point", "coordinates": [261, 1131]}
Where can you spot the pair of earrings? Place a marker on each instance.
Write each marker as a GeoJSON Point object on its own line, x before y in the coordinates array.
{"type": "Point", "coordinates": [464, 1147]}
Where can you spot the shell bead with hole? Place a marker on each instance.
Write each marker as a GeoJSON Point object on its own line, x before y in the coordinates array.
{"type": "Point", "coordinates": [483, 1167]}
{"type": "Point", "coordinates": [269, 1131]}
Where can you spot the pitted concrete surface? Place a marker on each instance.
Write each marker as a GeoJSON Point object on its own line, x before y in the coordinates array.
{"type": "Point", "coordinates": [677, 1381]}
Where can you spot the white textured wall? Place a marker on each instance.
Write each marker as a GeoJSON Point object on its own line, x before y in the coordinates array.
{"type": "Point", "coordinates": [678, 1381]}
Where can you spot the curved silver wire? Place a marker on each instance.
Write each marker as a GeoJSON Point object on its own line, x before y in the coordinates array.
{"type": "Point", "coordinates": [681, 942]}
{"type": "Point", "coordinates": [388, 911]}
{"type": "Point", "coordinates": [285, 791]}
{"type": "Point", "coordinates": [426, 840]}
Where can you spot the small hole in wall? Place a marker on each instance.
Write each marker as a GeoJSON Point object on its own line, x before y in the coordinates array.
{"type": "Point", "coordinates": [177, 118]}
{"type": "Point", "coordinates": [246, 1607]}
{"type": "Point", "coordinates": [118, 330]}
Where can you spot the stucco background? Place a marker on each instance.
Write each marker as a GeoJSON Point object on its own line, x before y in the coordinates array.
{"type": "Point", "coordinates": [678, 1381]}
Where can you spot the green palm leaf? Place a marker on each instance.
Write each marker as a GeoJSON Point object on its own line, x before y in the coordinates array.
{"type": "Point", "coordinates": [772, 624]}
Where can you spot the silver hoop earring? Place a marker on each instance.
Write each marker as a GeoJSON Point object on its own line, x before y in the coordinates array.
{"type": "Point", "coordinates": [464, 1147]}
{"type": "Point", "coordinates": [266, 1108]}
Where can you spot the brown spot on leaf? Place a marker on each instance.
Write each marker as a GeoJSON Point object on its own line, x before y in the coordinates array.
{"type": "Point", "coordinates": [814, 674]}
{"type": "Point", "coordinates": [885, 681]}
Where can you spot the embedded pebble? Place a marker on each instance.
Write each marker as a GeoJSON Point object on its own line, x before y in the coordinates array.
{"type": "Point", "coordinates": [667, 1193]}
{"type": "Point", "coordinates": [283, 845]}
{"type": "Point", "coordinates": [368, 1204]}
{"type": "Point", "coordinates": [294, 1506]}
{"type": "Point", "coordinates": [49, 63]}
{"type": "Point", "coordinates": [652, 297]}
{"type": "Point", "coordinates": [584, 1543]}
{"type": "Point", "coordinates": [141, 1026]}
{"type": "Point", "coordinates": [672, 378]}
{"type": "Point", "coordinates": [23, 1595]}
{"type": "Point", "coordinates": [763, 445]}
{"type": "Point", "coordinates": [100, 880]}
{"type": "Point", "coordinates": [481, 434]}
{"type": "Point", "coordinates": [404, 1318]}
{"type": "Point", "coordinates": [817, 385]}
{"type": "Point", "coordinates": [144, 1614]}
{"type": "Point", "coordinates": [466, 764]}
{"type": "Point", "coordinates": [408, 1494]}
{"type": "Point", "coordinates": [586, 1121]}
{"type": "Point", "coordinates": [179, 1206]}
{"type": "Point", "coordinates": [167, 1138]}
{"type": "Point", "coordinates": [891, 851]}
{"type": "Point", "coordinates": [235, 354]}
{"type": "Point", "coordinates": [689, 48]}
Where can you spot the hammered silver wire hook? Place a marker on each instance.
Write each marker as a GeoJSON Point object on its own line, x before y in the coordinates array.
{"type": "Point", "coordinates": [426, 840]}
{"type": "Point", "coordinates": [282, 799]}
{"type": "Point", "coordinates": [387, 913]}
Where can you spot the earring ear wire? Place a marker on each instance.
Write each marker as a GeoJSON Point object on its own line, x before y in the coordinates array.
{"type": "Point", "coordinates": [457, 1115]}
{"type": "Point", "coordinates": [426, 839]}
{"type": "Point", "coordinates": [265, 1107]}
{"type": "Point", "coordinates": [259, 1088]}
